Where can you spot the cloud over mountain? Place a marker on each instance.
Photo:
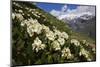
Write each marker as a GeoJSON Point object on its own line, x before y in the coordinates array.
{"type": "Point", "coordinates": [73, 13]}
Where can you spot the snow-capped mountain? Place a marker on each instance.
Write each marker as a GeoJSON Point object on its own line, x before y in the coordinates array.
{"type": "Point", "coordinates": [71, 16]}
{"type": "Point", "coordinates": [83, 23]}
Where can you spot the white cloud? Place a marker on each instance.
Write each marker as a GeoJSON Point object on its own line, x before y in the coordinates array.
{"type": "Point", "coordinates": [55, 13]}
{"type": "Point", "coordinates": [80, 10]}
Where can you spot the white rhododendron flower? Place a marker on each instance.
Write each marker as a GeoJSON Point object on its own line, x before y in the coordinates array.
{"type": "Point", "coordinates": [13, 15]}
{"type": "Point", "coordinates": [61, 34]}
{"type": "Point", "coordinates": [94, 50]}
{"type": "Point", "coordinates": [16, 10]}
{"type": "Point", "coordinates": [84, 52]}
{"type": "Point", "coordinates": [28, 15]}
{"type": "Point", "coordinates": [43, 15]}
{"type": "Point", "coordinates": [55, 45]}
{"type": "Point", "coordinates": [17, 5]}
{"type": "Point", "coordinates": [75, 42]}
{"type": "Point", "coordinates": [45, 28]}
{"type": "Point", "coordinates": [42, 46]}
{"type": "Point", "coordinates": [32, 26]}
{"type": "Point", "coordinates": [61, 41]}
{"type": "Point", "coordinates": [57, 32]}
{"type": "Point", "coordinates": [40, 14]}
{"type": "Point", "coordinates": [27, 8]}
{"type": "Point", "coordinates": [37, 12]}
{"type": "Point", "coordinates": [66, 53]}
{"type": "Point", "coordinates": [31, 22]}
{"type": "Point", "coordinates": [87, 44]}
{"type": "Point", "coordinates": [19, 16]}
{"type": "Point", "coordinates": [64, 35]}
{"type": "Point", "coordinates": [37, 41]}
{"type": "Point", "coordinates": [30, 10]}
{"type": "Point", "coordinates": [37, 28]}
{"type": "Point", "coordinates": [23, 14]}
{"type": "Point", "coordinates": [35, 15]}
{"type": "Point", "coordinates": [37, 45]}
{"type": "Point", "coordinates": [23, 22]}
{"type": "Point", "coordinates": [14, 3]}
{"type": "Point", "coordinates": [20, 11]}
{"type": "Point", "coordinates": [30, 31]}
{"type": "Point", "coordinates": [50, 35]}
{"type": "Point", "coordinates": [83, 41]}
{"type": "Point", "coordinates": [89, 59]}
{"type": "Point", "coordinates": [33, 10]}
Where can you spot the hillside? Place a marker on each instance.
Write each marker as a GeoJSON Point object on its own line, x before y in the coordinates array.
{"type": "Point", "coordinates": [40, 38]}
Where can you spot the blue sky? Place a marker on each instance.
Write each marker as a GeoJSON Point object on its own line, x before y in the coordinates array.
{"type": "Point", "coordinates": [63, 10]}
{"type": "Point", "coordinates": [50, 6]}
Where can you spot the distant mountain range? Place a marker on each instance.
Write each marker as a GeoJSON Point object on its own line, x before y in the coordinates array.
{"type": "Point", "coordinates": [84, 23]}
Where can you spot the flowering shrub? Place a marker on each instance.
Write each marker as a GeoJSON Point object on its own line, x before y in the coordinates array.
{"type": "Point", "coordinates": [66, 53]}
{"type": "Point", "coordinates": [37, 45]}
{"type": "Point", "coordinates": [75, 42]}
{"type": "Point", "coordinates": [38, 42]}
